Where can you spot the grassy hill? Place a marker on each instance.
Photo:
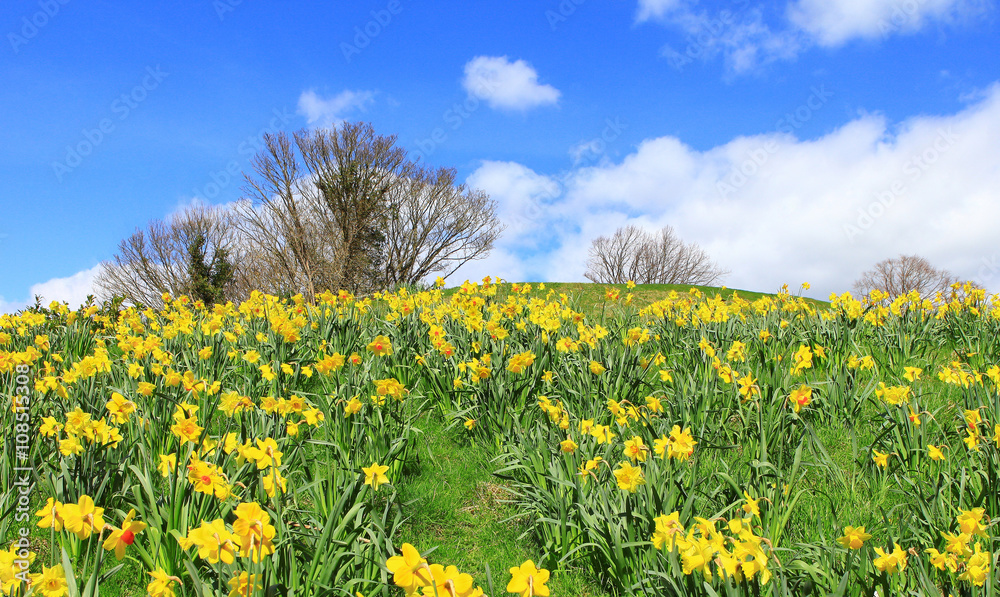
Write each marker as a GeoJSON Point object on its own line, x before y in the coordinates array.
{"type": "Point", "coordinates": [589, 297]}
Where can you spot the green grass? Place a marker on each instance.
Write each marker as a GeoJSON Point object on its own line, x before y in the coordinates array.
{"type": "Point", "coordinates": [590, 298]}
{"type": "Point", "coordinates": [461, 513]}
{"type": "Point", "coordinates": [455, 504]}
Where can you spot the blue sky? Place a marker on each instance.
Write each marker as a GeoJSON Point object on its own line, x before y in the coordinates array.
{"type": "Point", "coordinates": [801, 140]}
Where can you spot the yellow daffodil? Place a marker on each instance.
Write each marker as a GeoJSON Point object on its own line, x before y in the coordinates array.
{"type": "Point", "coordinates": [244, 584]}
{"type": "Point", "coordinates": [636, 450]}
{"type": "Point", "coordinates": [629, 477]}
{"type": "Point", "coordinates": [254, 531]}
{"type": "Point", "coordinates": [380, 346]}
{"type": "Point", "coordinates": [801, 397]}
{"type": "Point", "coordinates": [894, 562]}
{"type": "Point", "coordinates": [854, 538]}
{"type": "Point", "coordinates": [51, 582]}
{"type": "Point", "coordinates": [83, 518]}
{"type": "Point", "coordinates": [375, 475]}
{"type": "Point", "coordinates": [121, 538]}
{"type": "Point", "coordinates": [751, 506]}
{"type": "Point", "coordinates": [409, 570]}
{"type": "Point", "coordinates": [971, 522]}
{"type": "Point", "coordinates": [51, 515]}
{"type": "Point", "coordinates": [161, 585]}
{"type": "Point", "coordinates": [528, 581]}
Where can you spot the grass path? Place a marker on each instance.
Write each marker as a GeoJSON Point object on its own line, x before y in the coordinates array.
{"type": "Point", "coordinates": [459, 508]}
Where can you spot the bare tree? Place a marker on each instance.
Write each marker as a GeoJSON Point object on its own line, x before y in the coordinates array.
{"type": "Point", "coordinates": [320, 209]}
{"type": "Point", "coordinates": [904, 274]}
{"type": "Point", "coordinates": [345, 208]}
{"type": "Point", "coordinates": [632, 253]}
{"type": "Point", "coordinates": [436, 226]}
{"type": "Point", "coordinates": [613, 260]}
{"type": "Point", "coordinates": [354, 172]}
{"type": "Point", "coordinates": [296, 248]}
{"type": "Point", "coordinates": [666, 259]}
{"type": "Point", "coordinates": [157, 259]}
{"type": "Point", "coordinates": [323, 210]}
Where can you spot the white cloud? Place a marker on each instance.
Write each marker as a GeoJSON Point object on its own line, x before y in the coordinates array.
{"type": "Point", "coordinates": [819, 211]}
{"type": "Point", "coordinates": [834, 22]}
{"type": "Point", "coordinates": [523, 198]}
{"type": "Point", "coordinates": [185, 203]}
{"type": "Point", "coordinates": [740, 35]}
{"type": "Point", "coordinates": [498, 264]}
{"type": "Point", "coordinates": [506, 85]}
{"type": "Point", "coordinates": [747, 40]}
{"type": "Point", "coordinates": [330, 111]}
{"type": "Point", "coordinates": [650, 9]}
{"type": "Point", "coordinates": [11, 306]}
{"type": "Point", "coordinates": [71, 289]}
{"type": "Point", "coordinates": [519, 191]}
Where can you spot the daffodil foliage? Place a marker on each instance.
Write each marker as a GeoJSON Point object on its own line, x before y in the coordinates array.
{"type": "Point", "coordinates": [693, 445]}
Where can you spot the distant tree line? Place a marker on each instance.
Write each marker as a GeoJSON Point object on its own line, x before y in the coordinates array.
{"type": "Point", "coordinates": [635, 254]}
{"type": "Point", "coordinates": [340, 208]}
